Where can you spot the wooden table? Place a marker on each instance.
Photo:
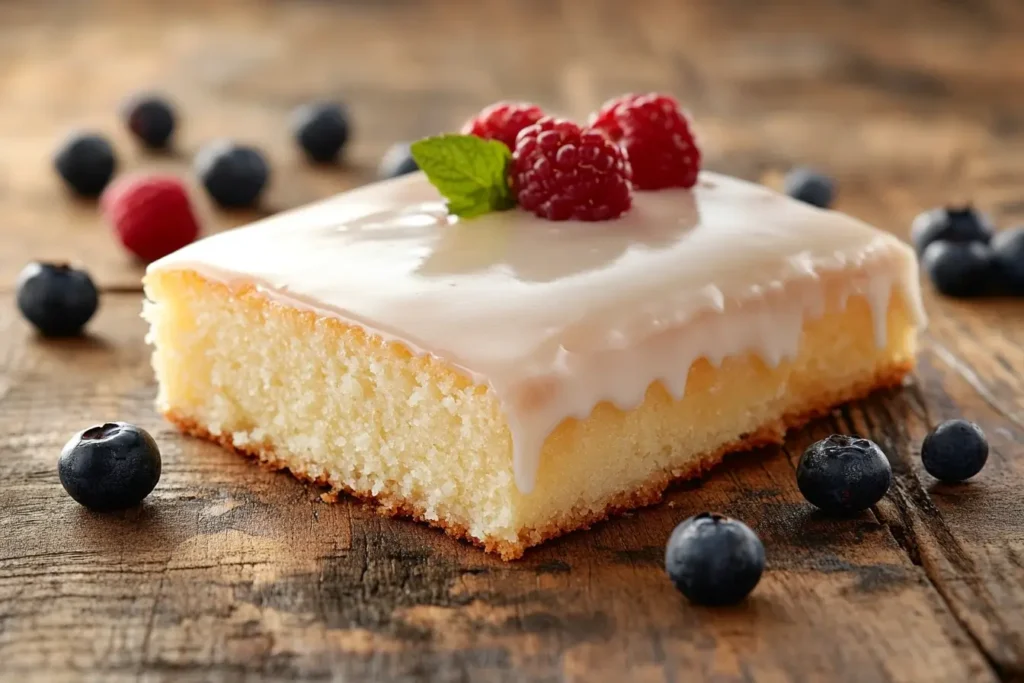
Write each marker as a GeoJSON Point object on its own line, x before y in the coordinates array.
{"type": "Point", "coordinates": [231, 573]}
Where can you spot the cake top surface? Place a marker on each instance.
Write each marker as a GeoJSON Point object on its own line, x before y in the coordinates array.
{"type": "Point", "coordinates": [511, 299]}
{"type": "Point", "coordinates": [499, 287]}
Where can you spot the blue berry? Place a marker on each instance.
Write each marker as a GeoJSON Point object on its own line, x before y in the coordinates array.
{"type": "Point", "coordinates": [843, 474]}
{"type": "Point", "coordinates": [811, 187]}
{"type": "Point", "coordinates": [954, 451]}
{"type": "Point", "coordinates": [714, 560]}
{"type": "Point", "coordinates": [112, 466]}
{"type": "Point", "coordinates": [86, 162]}
{"type": "Point", "coordinates": [233, 174]}
{"type": "Point", "coordinates": [959, 268]}
{"type": "Point", "coordinates": [151, 119]}
{"type": "Point", "coordinates": [322, 129]}
{"type": "Point", "coordinates": [56, 298]}
{"type": "Point", "coordinates": [961, 224]}
{"type": "Point", "coordinates": [398, 161]}
{"type": "Point", "coordinates": [1008, 256]}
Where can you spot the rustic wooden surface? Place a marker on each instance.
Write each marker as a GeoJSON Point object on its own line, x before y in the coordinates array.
{"type": "Point", "coordinates": [231, 573]}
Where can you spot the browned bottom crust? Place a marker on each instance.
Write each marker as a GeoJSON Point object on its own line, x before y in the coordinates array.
{"type": "Point", "coordinates": [648, 493]}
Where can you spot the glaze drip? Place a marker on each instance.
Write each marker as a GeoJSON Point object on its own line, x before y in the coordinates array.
{"type": "Point", "coordinates": [557, 317]}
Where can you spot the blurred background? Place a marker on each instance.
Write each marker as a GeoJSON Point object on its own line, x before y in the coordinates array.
{"type": "Point", "coordinates": [907, 104]}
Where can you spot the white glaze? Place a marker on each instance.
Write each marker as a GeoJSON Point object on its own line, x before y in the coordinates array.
{"type": "Point", "coordinates": [558, 317]}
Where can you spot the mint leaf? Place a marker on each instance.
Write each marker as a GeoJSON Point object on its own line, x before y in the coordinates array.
{"type": "Point", "coordinates": [470, 172]}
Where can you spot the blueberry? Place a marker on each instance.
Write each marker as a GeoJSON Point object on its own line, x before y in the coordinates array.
{"type": "Point", "coordinates": [56, 298]}
{"type": "Point", "coordinates": [151, 119]}
{"type": "Point", "coordinates": [843, 474]}
{"type": "Point", "coordinates": [322, 129]}
{"type": "Point", "coordinates": [1008, 256]}
{"type": "Point", "coordinates": [954, 451]}
{"type": "Point", "coordinates": [811, 187]}
{"type": "Point", "coordinates": [950, 224]}
{"type": "Point", "coordinates": [112, 466]}
{"type": "Point", "coordinates": [86, 162]}
{"type": "Point", "coordinates": [233, 174]}
{"type": "Point", "coordinates": [398, 161]}
{"type": "Point", "coordinates": [714, 560]}
{"type": "Point", "coordinates": [958, 268]}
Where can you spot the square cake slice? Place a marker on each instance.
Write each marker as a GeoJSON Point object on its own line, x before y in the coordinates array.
{"type": "Point", "coordinates": [510, 379]}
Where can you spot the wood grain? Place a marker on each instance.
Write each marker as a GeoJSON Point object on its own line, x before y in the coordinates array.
{"type": "Point", "coordinates": [229, 572]}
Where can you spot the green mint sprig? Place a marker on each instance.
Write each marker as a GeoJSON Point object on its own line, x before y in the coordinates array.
{"type": "Point", "coordinates": [470, 172]}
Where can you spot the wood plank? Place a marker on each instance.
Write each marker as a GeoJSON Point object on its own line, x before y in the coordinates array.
{"type": "Point", "coordinates": [968, 537]}
{"type": "Point", "coordinates": [232, 571]}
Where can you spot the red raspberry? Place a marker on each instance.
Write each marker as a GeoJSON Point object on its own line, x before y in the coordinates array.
{"type": "Point", "coordinates": [503, 121]}
{"type": "Point", "coordinates": [151, 215]}
{"type": "Point", "coordinates": [604, 119]}
{"type": "Point", "coordinates": [655, 134]}
{"type": "Point", "coordinates": [560, 171]}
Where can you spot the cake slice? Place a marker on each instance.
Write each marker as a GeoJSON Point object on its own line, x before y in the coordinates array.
{"type": "Point", "coordinates": [510, 379]}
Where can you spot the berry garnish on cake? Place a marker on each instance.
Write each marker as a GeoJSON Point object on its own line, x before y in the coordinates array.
{"type": "Point", "coordinates": [563, 172]}
{"type": "Point", "coordinates": [655, 134]}
{"type": "Point", "coordinates": [503, 121]}
{"type": "Point", "coordinates": [559, 170]}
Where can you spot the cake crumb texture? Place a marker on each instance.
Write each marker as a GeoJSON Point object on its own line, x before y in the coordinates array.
{"type": "Point", "coordinates": [344, 409]}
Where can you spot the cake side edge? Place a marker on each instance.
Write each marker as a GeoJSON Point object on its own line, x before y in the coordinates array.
{"type": "Point", "coordinates": [649, 493]}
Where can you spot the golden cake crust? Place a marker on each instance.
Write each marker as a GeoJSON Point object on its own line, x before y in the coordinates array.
{"type": "Point", "coordinates": [649, 493]}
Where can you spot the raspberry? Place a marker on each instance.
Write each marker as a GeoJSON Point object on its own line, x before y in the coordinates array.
{"type": "Point", "coordinates": [560, 171]}
{"type": "Point", "coordinates": [503, 121]}
{"type": "Point", "coordinates": [604, 119]}
{"type": "Point", "coordinates": [151, 215]}
{"type": "Point", "coordinates": [655, 134]}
